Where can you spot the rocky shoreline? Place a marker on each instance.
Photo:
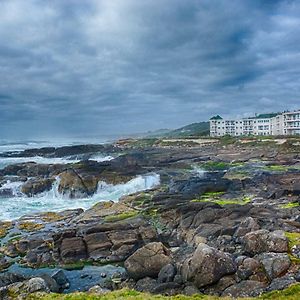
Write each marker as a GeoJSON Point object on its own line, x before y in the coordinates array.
{"type": "Point", "coordinates": [224, 220]}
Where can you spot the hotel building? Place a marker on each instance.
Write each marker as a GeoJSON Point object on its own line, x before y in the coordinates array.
{"type": "Point", "coordinates": [285, 123]}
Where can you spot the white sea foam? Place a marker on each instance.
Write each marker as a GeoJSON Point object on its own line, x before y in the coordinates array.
{"type": "Point", "coordinates": [19, 205]}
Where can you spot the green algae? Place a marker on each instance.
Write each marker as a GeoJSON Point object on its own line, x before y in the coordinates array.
{"type": "Point", "coordinates": [290, 205]}
{"type": "Point", "coordinates": [121, 216]}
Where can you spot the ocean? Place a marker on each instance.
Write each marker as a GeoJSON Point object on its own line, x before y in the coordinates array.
{"type": "Point", "coordinates": [19, 204]}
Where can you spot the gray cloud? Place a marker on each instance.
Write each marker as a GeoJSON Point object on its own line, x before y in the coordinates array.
{"type": "Point", "coordinates": [71, 68]}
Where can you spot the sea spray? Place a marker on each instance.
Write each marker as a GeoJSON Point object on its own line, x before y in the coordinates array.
{"type": "Point", "coordinates": [19, 205]}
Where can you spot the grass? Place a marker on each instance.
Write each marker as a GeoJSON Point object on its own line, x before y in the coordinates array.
{"type": "Point", "coordinates": [290, 293]}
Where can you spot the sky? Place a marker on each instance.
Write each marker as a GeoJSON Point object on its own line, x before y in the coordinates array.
{"type": "Point", "coordinates": [72, 68]}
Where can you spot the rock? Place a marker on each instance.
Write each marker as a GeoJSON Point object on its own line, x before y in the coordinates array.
{"type": "Point", "coordinates": [4, 263]}
{"type": "Point", "coordinates": [248, 267]}
{"type": "Point", "coordinates": [37, 284]}
{"type": "Point", "coordinates": [295, 251]}
{"type": "Point", "coordinates": [207, 266]}
{"type": "Point", "coordinates": [73, 249]}
{"type": "Point", "coordinates": [221, 285]}
{"type": "Point", "coordinates": [36, 186]}
{"type": "Point", "coordinates": [264, 241]}
{"type": "Point", "coordinates": [166, 274]}
{"type": "Point", "coordinates": [98, 290]}
{"type": "Point", "coordinates": [76, 186]}
{"type": "Point", "coordinates": [8, 278]}
{"type": "Point", "coordinates": [61, 279]}
{"type": "Point", "coordinates": [166, 288]}
{"type": "Point", "coordinates": [190, 290]}
{"type": "Point", "coordinates": [275, 264]}
{"type": "Point", "coordinates": [281, 283]}
{"type": "Point", "coordinates": [97, 245]}
{"type": "Point", "coordinates": [246, 226]}
{"type": "Point", "coordinates": [147, 261]}
{"type": "Point", "coordinates": [246, 288]}
{"type": "Point", "coordinates": [146, 284]}
{"type": "Point", "coordinates": [51, 283]}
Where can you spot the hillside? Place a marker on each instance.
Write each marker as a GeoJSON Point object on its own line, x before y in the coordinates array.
{"type": "Point", "coordinates": [194, 129]}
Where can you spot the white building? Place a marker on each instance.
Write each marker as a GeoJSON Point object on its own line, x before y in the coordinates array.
{"type": "Point", "coordinates": [286, 123]}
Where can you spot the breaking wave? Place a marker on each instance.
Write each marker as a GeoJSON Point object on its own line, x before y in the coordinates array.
{"type": "Point", "coordinates": [18, 204]}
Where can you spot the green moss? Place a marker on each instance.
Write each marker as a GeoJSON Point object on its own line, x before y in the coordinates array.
{"type": "Point", "coordinates": [76, 265]}
{"type": "Point", "coordinates": [276, 168]}
{"type": "Point", "coordinates": [222, 202]}
{"type": "Point", "coordinates": [121, 216]}
{"type": "Point", "coordinates": [294, 238]}
{"type": "Point", "coordinates": [290, 205]}
{"type": "Point", "coordinates": [241, 175]}
{"type": "Point", "coordinates": [215, 165]}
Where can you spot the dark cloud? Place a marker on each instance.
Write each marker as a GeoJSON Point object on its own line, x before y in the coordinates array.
{"type": "Point", "coordinates": [71, 68]}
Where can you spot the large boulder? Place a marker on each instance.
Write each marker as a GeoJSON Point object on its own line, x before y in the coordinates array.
{"type": "Point", "coordinates": [147, 261]}
{"type": "Point", "coordinates": [265, 241]}
{"type": "Point", "coordinates": [207, 266]}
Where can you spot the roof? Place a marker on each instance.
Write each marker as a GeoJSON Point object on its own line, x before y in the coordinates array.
{"type": "Point", "coordinates": [217, 117]}
{"type": "Point", "coordinates": [265, 116]}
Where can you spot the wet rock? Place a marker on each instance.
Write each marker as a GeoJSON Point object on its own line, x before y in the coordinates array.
{"type": "Point", "coordinates": [246, 288]}
{"type": "Point", "coordinates": [8, 278]}
{"type": "Point", "coordinates": [61, 279]}
{"type": "Point", "coordinates": [76, 186]}
{"type": "Point", "coordinates": [207, 266]}
{"type": "Point", "coordinates": [51, 283]}
{"type": "Point", "coordinates": [4, 263]}
{"type": "Point", "coordinates": [275, 264]}
{"type": "Point", "coordinates": [36, 186]}
{"type": "Point", "coordinates": [264, 241]}
{"type": "Point", "coordinates": [147, 261]}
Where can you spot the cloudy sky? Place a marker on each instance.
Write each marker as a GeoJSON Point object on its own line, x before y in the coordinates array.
{"type": "Point", "coordinates": [98, 67]}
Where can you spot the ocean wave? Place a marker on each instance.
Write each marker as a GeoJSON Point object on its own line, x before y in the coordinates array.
{"type": "Point", "coordinates": [19, 205]}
